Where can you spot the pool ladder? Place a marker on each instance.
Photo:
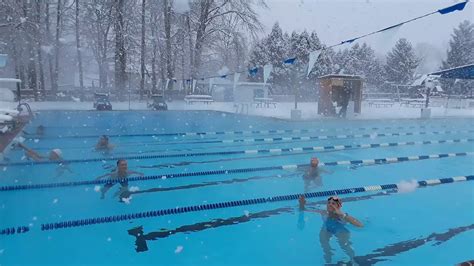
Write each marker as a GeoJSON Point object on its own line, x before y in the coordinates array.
{"type": "Point", "coordinates": [28, 108]}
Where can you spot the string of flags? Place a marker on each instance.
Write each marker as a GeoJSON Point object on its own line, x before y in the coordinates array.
{"type": "Point", "coordinates": [314, 55]}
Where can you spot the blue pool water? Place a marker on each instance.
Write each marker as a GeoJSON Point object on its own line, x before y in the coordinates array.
{"type": "Point", "coordinates": [416, 226]}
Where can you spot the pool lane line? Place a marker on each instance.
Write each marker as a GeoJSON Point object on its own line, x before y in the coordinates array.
{"type": "Point", "coordinates": [141, 238]}
{"type": "Point", "coordinates": [233, 171]}
{"type": "Point", "coordinates": [242, 132]}
{"type": "Point", "coordinates": [247, 152]}
{"type": "Point", "coordinates": [282, 139]}
{"type": "Point", "coordinates": [244, 202]}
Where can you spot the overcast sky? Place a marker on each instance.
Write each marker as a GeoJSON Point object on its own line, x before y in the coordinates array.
{"type": "Point", "coordinates": [336, 20]}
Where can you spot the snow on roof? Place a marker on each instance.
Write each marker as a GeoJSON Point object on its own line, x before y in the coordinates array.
{"type": "Point", "coordinates": [10, 80]}
{"type": "Point", "coordinates": [419, 81]}
{"type": "Point", "coordinates": [340, 76]}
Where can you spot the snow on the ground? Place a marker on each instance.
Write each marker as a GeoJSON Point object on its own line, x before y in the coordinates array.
{"type": "Point", "coordinates": [283, 110]}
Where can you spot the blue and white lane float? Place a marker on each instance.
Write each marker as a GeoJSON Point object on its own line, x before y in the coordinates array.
{"type": "Point", "coordinates": [318, 137]}
{"type": "Point", "coordinates": [240, 132]}
{"type": "Point", "coordinates": [233, 171]}
{"type": "Point", "coordinates": [226, 204]}
{"type": "Point", "coordinates": [260, 151]}
{"type": "Point", "coordinates": [343, 136]}
{"type": "Point", "coordinates": [279, 139]}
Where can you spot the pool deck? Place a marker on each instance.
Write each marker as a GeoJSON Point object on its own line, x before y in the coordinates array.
{"type": "Point", "coordinates": [282, 109]}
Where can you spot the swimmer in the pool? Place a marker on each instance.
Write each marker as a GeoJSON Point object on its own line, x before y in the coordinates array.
{"type": "Point", "coordinates": [103, 144]}
{"type": "Point", "coordinates": [334, 224]}
{"type": "Point", "coordinates": [121, 174]}
{"type": "Point", "coordinates": [313, 175]}
{"type": "Point", "coordinates": [55, 155]}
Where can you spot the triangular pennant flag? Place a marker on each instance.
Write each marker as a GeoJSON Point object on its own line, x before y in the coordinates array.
{"type": "Point", "coordinates": [253, 71]}
{"type": "Point", "coordinates": [211, 81]}
{"type": "Point", "coordinates": [3, 60]}
{"type": "Point", "coordinates": [236, 79]}
{"type": "Point", "coordinates": [386, 37]}
{"type": "Point", "coordinates": [349, 41]}
{"type": "Point", "coordinates": [194, 85]}
{"type": "Point", "coordinates": [313, 57]}
{"type": "Point", "coordinates": [449, 9]}
{"type": "Point", "coordinates": [267, 70]}
{"type": "Point", "coordinates": [289, 61]}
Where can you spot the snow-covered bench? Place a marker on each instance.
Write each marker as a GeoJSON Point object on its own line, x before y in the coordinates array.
{"type": "Point", "coordinates": [264, 102]}
{"type": "Point", "coordinates": [415, 103]}
{"type": "Point", "coordinates": [380, 102]}
{"type": "Point", "coordinates": [189, 99]}
{"type": "Point", "coordinates": [11, 112]}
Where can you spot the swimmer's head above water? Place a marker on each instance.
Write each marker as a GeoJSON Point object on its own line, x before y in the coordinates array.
{"type": "Point", "coordinates": [122, 165]}
{"type": "Point", "coordinates": [103, 140]}
{"type": "Point", "coordinates": [314, 162]}
{"type": "Point", "coordinates": [334, 203]}
{"type": "Point", "coordinates": [55, 155]}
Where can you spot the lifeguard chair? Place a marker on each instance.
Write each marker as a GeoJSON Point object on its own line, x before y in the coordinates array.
{"type": "Point", "coordinates": [339, 94]}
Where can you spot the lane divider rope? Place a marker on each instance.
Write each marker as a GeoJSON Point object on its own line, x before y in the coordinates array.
{"type": "Point", "coordinates": [259, 151]}
{"type": "Point", "coordinates": [301, 138]}
{"type": "Point", "coordinates": [240, 132]}
{"type": "Point", "coordinates": [226, 204]}
{"type": "Point", "coordinates": [232, 171]}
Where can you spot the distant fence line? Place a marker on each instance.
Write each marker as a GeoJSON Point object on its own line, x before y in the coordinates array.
{"type": "Point", "coordinates": [69, 94]}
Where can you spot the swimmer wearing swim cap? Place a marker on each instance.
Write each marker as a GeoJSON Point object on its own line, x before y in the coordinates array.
{"type": "Point", "coordinates": [312, 177]}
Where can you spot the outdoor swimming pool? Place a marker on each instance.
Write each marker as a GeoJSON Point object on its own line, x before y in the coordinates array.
{"type": "Point", "coordinates": [220, 189]}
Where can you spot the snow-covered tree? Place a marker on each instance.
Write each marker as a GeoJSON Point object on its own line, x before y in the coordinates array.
{"type": "Point", "coordinates": [460, 52]}
{"type": "Point", "coordinates": [360, 60]}
{"type": "Point", "coordinates": [324, 64]}
{"type": "Point", "coordinates": [401, 63]}
{"type": "Point", "coordinates": [273, 49]}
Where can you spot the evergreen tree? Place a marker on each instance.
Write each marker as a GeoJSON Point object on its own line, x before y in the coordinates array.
{"type": "Point", "coordinates": [360, 60]}
{"type": "Point", "coordinates": [460, 53]}
{"type": "Point", "coordinates": [279, 46]}
{"type": "Point", "coordinates": [271, 50]}
{"type": "Point", "coordinates": [401, 63]}
{"type": "Point", "coordinates": [324, 64]}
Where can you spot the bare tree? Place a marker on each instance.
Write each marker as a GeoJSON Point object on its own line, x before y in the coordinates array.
{"type": "Point", "coordinates": [155, 36]}
{"type": "Point", "coordinates": [49, 41]}
{"type": "Point", "coordinates": [78, 46]}
{"type": "Point", "coordinates": [120, 53]}
{"type": "Point", "coordinates": [99, 18]}
{"type": "Point", "coordinates": [39, 38]}
{"type": "Point", "coordinates": [208, 15]}
{"type": "Point", "coordinates": [142, 53]}
{"type": "Point", "coordinates": [55, 79]}
{"type": "Point", "coordinates": [168, 51]}
{"type": "Point", "coordinates": [29, 29]}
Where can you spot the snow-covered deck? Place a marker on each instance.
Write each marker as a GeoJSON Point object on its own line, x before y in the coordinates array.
{"type": "Point", "coordinates": [282, 110]}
